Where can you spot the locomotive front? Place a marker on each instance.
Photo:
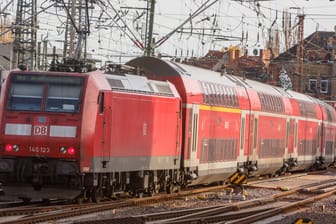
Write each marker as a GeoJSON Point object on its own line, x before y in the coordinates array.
{"type": "Point", "coordinates": [40, 126]}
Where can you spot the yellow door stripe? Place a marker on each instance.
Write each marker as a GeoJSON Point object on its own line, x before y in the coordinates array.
{"type": "Point", "coordinates": [220, 109]}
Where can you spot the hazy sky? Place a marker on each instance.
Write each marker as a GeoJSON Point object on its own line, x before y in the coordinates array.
{"type": "Point", "coordinates": [225, 18]}
{"type": "Point", "coordinates": [235, 18]}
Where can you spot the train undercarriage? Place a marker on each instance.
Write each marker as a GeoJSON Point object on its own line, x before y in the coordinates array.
{"type": "Point", "coordinates": [136, 184]}
{"type": "Point", "coordinates": [41, 173]}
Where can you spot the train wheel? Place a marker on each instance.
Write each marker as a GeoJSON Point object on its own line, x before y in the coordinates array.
{"type": "Point", "coordinates": [170, 189]}
{"type": "Point", "coordinates": [79, 200]}
{"type": "Point", "coordinates": [140, 195]}
{"type": "Point", "coordinates": [177, 189]}
{"type": "Point", "coordinates": [96, 195]}
{"type": "Point", "coordinates": [153, 192]}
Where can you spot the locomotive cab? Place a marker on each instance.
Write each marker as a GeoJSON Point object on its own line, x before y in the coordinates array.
{"type": "Point", "coordinates": [40, 125]}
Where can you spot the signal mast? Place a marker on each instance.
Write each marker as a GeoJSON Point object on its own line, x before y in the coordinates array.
{"type": "Point", "coordinates": [25, 29]}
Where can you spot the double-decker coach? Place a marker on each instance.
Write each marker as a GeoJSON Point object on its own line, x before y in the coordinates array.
{"type": "Point", "coordinates": [231, 123]}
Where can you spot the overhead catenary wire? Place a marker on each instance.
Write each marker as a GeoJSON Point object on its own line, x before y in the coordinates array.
{"type": "Point", "coordinates": [6, 6]}
{"type": "Point", "coordinates": [201, 9]}
{"type": "Point", "coordinates": [130, 35]}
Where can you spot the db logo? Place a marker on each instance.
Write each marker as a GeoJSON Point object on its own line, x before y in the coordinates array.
{"type": "Point", "coordinates": [40, 130]}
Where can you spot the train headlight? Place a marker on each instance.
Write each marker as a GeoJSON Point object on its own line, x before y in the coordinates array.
{"type": "Point", "coordinates": [67, 150]}
{"type": "Point", "coordinates": [71, 150]}
{"type": "Point", "coordinates": [63, 150]}
{"type": "Point", "coordinates": [16, 148]}
{"type": "Point", "coordinates": [9, 147]}
{"type": "Point", "coordinates": [12, 148]}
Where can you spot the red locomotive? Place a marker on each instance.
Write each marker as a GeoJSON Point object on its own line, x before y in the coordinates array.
{"type": "Point", "coordinates": [170, 126]}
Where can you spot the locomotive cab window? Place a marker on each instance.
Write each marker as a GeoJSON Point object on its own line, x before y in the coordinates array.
{"type": "Point", "coordinates": [25, 96]}
{"type": "Point", "coordinates": [63, 98]}
{"type": "Point", "coordinates": [32, 92]}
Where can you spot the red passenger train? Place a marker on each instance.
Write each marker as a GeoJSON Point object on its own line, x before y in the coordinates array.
{"type": "Point", "coordinates": [170, 126]}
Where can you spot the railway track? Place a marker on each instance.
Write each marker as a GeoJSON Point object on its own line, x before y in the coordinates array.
{"type": "Point", "coordinates": [237, 210]}
{"type": "Point", "coordinates": [34, 214]}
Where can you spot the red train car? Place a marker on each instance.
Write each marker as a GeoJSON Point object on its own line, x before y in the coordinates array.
{"type": "Point", "coordinates": [232, 123]}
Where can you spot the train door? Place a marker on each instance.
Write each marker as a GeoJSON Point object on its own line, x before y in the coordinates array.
{"type": "Point", "coordinates": [106, 111]}
{"type": "Point", "coordinates": [319, 137]}
{"type": "Point", "coordinates": [303, 146]}
{"type": "Point", "coordinates": [295, 136]}
{"type": "Point", "coordinates": [194, 136]}
{"type": "Point", "coordinates": [253, 153]}
{"type": "Point", "coordinates": [244, 138]}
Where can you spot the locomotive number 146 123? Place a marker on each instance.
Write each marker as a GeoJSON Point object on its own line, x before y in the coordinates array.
{"type": "Point", "coordinates": [39, 149]}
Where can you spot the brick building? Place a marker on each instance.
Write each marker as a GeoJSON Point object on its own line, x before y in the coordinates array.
{"type": "Point", "coordinates": [318, 78]}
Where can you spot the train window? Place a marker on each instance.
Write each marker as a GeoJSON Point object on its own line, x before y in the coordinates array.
{"type": "Point", "coordinates": [206, 92]}
{"type": "Point", "coordinates": [195, 131]}
{"type": "Point", "coordinates": [287, 133]}
{"type": "Point", "coordinates": [25, 96]}
{"type": "Point", "coordinates": [216, 94]}
{"type": "Point", "coordinates": [268, 103]}
{"type": "Point", "coordinates": [273, 103]}
{"type": "Point", "coordinates": [295, 134]}
{"type": "Point", "coordinates": [101, 102]}
{"type": "Point", "coordinates": [255, 132]}
{"type": "Point", "coordinates": [225, 96]}
{"type": "Point", "coordinates": [212, 94]}
{"type": "Point", "coordinates": [214, 90]}
{"type": "Point", "coordinates": [262, 101]}
{"type": "Point", "coordinates": [229, 97]}
{"type": "Point", "coordinates": [242, 133]}
{"type": "Point", "coordinates": [61, 98]}
{"type": "Point", "coordinates": [235, 97]}
{"type": "Point", "coordinates": [221, 98]}
{"type": "Point", "coordinates": [204, 150]}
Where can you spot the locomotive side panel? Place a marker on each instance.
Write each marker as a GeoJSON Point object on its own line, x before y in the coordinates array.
{"type": "Point", "coordinates": [140, 133]}
{"type": "Point", "coordinates": [89, 126]}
